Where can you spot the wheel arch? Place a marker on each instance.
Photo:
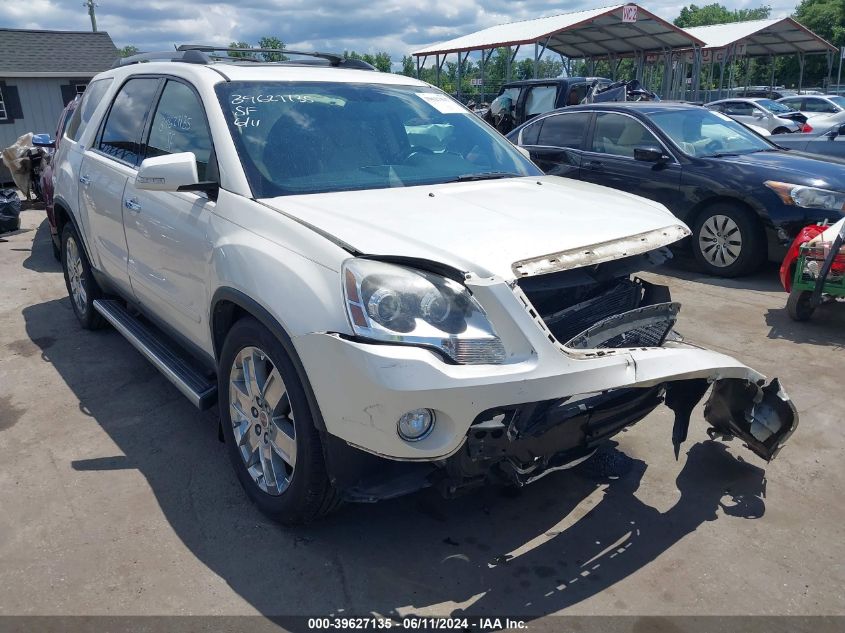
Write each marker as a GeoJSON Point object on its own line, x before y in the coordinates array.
{"type": "Point", "coordinates": [62, 215]}
{"type": "Point", "coordinates": [228, 305]}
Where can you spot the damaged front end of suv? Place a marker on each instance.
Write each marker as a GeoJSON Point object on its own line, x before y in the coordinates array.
{"type": "Point", "coordinates": [592, 303]}
{"type": "Point", "coordinates": [604, 355]}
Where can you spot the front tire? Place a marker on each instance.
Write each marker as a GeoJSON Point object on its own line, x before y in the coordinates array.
{"type": "Point", "coordinates": [269, 428]}
{"type": "Point", "coordinates": [81, 285]}
{"type": "Point", "coordinates": [727, 240]}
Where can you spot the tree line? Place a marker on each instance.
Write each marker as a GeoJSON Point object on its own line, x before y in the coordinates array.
{"type": "Point", "coordinates": [824, 17]}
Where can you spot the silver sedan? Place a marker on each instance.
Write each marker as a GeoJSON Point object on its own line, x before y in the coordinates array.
{"type": "Point", "coordinates": [775, 117]}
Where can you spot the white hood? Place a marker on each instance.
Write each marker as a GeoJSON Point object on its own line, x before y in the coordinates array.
{"type": "Point", "coordinates": [487, 226]}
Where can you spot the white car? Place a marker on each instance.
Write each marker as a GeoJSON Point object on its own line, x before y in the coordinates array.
{"type": "Point", "coordinates": [380, 292]}
{"type": "Point", "coordinates": [822, 111]}
{"type": "Point", "coordinates": [776, 117]}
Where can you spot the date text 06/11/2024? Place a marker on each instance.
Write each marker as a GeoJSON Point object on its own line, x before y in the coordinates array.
{"type": "Point", "coordinates": [411, 623]}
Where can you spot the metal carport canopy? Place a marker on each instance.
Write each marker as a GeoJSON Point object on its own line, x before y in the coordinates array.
{"type": "Point", "coordinates": [594, 33]}
{"type": "Point", "coordinates": [760, 38]}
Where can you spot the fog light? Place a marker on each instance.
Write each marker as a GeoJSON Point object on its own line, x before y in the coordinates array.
{"type": "Point", "coordinates": [415, 425]}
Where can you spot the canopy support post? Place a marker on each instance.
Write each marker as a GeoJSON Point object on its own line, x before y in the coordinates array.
{"type": "Point", "coordinates": [801, 60]}
{"type": "Point", "coordinates": [696, 73]}
{"type": "Point", "coordinates": [829, 70]}
{"type": "Point", "coordinates": [511, 58]}
{"type": "Point", "coordinates": [748, 61]}
{"type": "Point", "coordinates": [772, 78]}
{"type": "Point", "coordinates": [437, 69]}
{"type": "Point", "coordinates": [418, 67]}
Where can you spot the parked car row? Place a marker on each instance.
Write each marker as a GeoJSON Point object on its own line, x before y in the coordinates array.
{"type": "Point", "coordinates": [743, 196]}
{"type": "Point", "coordinates": [383, 294]}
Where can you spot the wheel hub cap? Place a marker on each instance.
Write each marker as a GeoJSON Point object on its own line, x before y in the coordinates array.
{"type": "Point", "coordinates": [76, 279]}
{"type": "Point", "coordinates": [720, 241]}
{"type": "Point", "coordinates": [262, 420]}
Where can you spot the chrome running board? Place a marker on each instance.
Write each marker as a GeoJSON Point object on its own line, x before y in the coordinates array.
{"type": "Point", "coordinates": [187, 378]}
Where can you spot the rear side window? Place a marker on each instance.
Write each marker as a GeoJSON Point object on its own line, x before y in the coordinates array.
{"type": "Point", "coordinates": [819, 105]}
{"type": "Point", "coordinates": [121, 137]}
{"type": "Point", "coordinates": [179, 125]}
{"type": "Point", "coordinates": [564, 130]}
{"type": "Point", "coordinates": [85, 110]}
{"type": "Point", "coordinates": [540, 99]}
{"type": "Point", "coordinates": [531, 132]}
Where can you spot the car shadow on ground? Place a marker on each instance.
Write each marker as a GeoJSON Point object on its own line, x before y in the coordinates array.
{"type": "Point", "coordinates": [559, 541]}
{"type": "Point", "coordinates": [826, 327]}
{"type": "Point", "coordinates": [41, 257]}
{"type": "Point", "coordinates": [685, 268]}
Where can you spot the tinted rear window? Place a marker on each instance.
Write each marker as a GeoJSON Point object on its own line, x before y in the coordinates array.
{"type": "Point", "coordinates": [564, 130]}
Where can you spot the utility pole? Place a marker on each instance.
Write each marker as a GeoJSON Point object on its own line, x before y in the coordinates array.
{"type": "Point", "coordinates": [91, 4]}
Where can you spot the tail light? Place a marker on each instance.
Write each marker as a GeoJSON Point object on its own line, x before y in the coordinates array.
{"type": "Point", "coordinates": [806, 128]}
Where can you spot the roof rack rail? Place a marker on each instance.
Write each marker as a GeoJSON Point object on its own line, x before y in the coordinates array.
{"type": "Point", "coordinates": [334, 59]}
{"type": "Point", "coordinates": [201, 54]}
{"type": "Point", "coordinates": [187, 56]}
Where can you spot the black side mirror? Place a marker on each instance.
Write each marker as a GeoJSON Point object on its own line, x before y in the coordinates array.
{"type": "Point", "coordinates": [649, 154]}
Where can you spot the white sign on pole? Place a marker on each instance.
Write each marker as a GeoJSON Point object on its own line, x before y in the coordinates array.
{"type": "Point", "coordinates": [476, 81]}
{"type": "Point", "coordinates": [629, 13]}
{"type": "Point", "coordinates": [842, 53]}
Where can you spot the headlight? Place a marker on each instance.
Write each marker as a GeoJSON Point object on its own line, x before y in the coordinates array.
{"type": "Point", "coordinates": [401, 305]}
{"type": "Point", "coordinates": [808, 197]}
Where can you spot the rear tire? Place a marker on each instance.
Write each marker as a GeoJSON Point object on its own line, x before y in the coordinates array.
{"type": "Point", "coordinates": [799, 306]}
{"type": "Point", "coordinates": [269, 428]}
{"type": "Point", "coordinates": [81, 285]}
{"type": "Point", "coordinates": [780, 130]}
{"type": "Point", "coordinates": [727, 240]}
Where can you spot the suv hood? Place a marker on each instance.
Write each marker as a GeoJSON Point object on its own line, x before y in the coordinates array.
{"type": "Point", "coordinates": [506, 227]}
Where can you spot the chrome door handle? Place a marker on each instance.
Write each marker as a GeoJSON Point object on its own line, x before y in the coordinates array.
{"type": "Point", "coordinates": [85, 180]}
{"type": "Point", "coordinates": [132, 204]}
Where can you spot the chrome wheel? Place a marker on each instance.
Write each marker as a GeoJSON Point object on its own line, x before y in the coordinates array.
{"type": "Point", "coordinates": [262, 420]}
{"type": "Point", "coordinates": [76, 275]}
{"type": "Point", "coordinates": [720, 241]}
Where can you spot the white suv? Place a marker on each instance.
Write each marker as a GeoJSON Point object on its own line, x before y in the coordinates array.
{"type": "Point", "coordinates": [380, 291]}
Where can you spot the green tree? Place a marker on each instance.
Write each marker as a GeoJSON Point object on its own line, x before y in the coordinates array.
{"type": "Point", "coordinates": [409, 66]}
{"type": "Point", "coordinates": [380, 60]}
{"type": "Point", "coordinates": [243, 55]}
{"type": "Point", "coordinates": [715, 13]}
{"type": "Point", "coordinates": [128, 51]}
{"type": "Point", "coordinates": [272, 42]}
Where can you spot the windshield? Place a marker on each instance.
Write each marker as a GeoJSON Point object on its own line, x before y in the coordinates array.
{"type": "Point", "coordinates": [301, 138]}
{"type": "Point", "coordinates": [702, 132]}
{"type": "Point", "coordinates": [774, 106]}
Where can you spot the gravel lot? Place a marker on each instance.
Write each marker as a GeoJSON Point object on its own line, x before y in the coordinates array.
{"type": "Point", "coordinates": [117, 497]}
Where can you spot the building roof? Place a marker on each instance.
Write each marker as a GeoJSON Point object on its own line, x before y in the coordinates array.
{"type": "Point", "coordinates": [592, 33]}
{"type": "Point", "coordinates": [763, 37]}
{"type": "Point", "coordinates": [31, 53]}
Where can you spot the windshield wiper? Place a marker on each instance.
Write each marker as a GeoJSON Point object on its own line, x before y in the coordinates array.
{"type": "Point", "coordinates": [484, 175]}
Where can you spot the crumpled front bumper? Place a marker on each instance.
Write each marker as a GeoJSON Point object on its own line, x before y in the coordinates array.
{"type": "Point", "coordinates": [362, 389]}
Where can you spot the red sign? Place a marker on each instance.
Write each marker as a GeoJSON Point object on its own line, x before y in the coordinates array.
{"type": "Point", "coordinates": [629, 13]}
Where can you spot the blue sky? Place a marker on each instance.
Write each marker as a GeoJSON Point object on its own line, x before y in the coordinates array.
{"type": "Point", "coordinates": [396, 26]}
